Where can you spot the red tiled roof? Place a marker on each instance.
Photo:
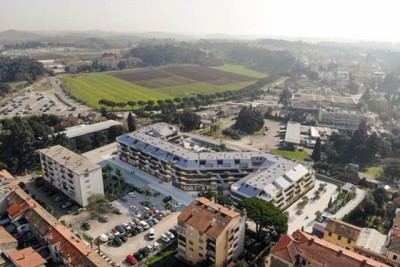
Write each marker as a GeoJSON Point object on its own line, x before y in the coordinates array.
{"type": "Point", "coordinates": [343, 229]}
{"type": "Point", "coordinates": [207, 216]}
{"type": "Point", "coordinates": [5, 174]}
{"type": "Point", "coordinates": [68, 245]}
{"type": "Point", "coordinates": [5, 237]}
{"type": "Point", "coordinates": [319, 252]}
{"type": "Point", "coordinates": [16, 210]}
{"type": "Point", "coordinates": [26, 257]}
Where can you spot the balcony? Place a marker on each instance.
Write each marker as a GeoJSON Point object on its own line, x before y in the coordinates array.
{"type": "Point", "coordinates": [70, 175]}
{"type": "Point", "coordinates": [71, 181]}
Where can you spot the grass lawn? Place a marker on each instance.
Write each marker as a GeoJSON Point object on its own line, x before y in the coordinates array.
{"type": "Point", "coordinates": [95, 86]}
{"type": "Point", "coordinates": [17, 85]}
{"type": "Point", "coordinates": [43, 87]}
{"type": "Point", "coordinates": [239, 69]}
{"type": "Point", "coordinates": [297, 155]}
{"type": "Point", "coordinates": [375, 170]}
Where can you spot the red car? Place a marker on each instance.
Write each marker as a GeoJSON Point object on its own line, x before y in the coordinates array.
{"type": "Point", "coordinates": [131, 259]}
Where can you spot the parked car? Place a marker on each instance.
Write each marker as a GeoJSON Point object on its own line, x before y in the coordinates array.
{"type": "Point", "coordinates": [104, 238]}
{"type": "Point", "coordinates": [103, 219]}
{"type": "Point", "coordinates": [86, 226]}
{"type": "Point", "coordinates": [138, 255]}
{"type": "Point", "coordinates": [173, 231]}
{"type": "Point", "coordinates": [165, 238]}
{"type": "Point", "coordinates": [136, 220]}
{"type": "Point", "coordinates": [154, 220]}
{"type": "Point", "coordinates": [150, 223]}
{"type": "Point", "coordinates": [145, 252]}
{"type": "Point", "coordinates": [72, 209]}
{"type": "Point", "coordinates": [58, 199]}
{"type": "Point", "coordinates": [117, 241]}
{"type": "Point", "coordinates": [150, 247]}
{"type": "Point", "coordinates": [139, 228]}
{"type": "Point", "coordinates": [177, 205]}
{"type": "Point", "coordinates": [166, 199]}
{"type": "Point", "coordinates": [146, 209]}
{"type": "Point", "coordinates": [156, 245]}
{"type": "Point", "coordinates": [110, 236]}
{"type": "Point", "coordinates": [123, 238]}
{"type": "Point", "coordinates": [134, 208]}
{"type": "Point", "coordinates": [159, 216]}
{"type": "Point", "coordinates": [123, 199]}
{"type": "Point", "coordinates": [152, 233]}
{"type": "Point", "coordinates": [134, 231]}
{"type": "Point", "coordinates": [66, 205]}
{"type": "Point", "coordinates": [170, 235]}
{"type": "Point", "coordinates": [115, 231]}
{"type": "Point", "coordinates": [120, 229]}
{"type": "Point", "coordinates": [131, 259]}
{"type": "Point", "coordinates": [139, 190]}
{"type": "Point", "coordinates": [144, 225]}
{"type": "Point", "coordinates": [132, 194]}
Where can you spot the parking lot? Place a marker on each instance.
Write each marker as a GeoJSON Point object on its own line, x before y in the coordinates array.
{"type": "Point", "coordinates": [131, 211]}
{"type": "Point", "coordinates": [30, 102]}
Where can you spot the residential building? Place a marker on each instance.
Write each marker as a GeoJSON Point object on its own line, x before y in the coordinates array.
{"type": "Point", "coordinates": [7, 241]}
{"type": "Point", "coordinates": [372, 244]}
{"type": "Point", "coordinates": [63, 248]}
{"type": "Point", "coordinates": [73, 174]}
{"type": "Point", "coordinates": [26, 257]}
{"type": "Point", "coordinates": [302, 249]}
{"type": "Point", "coordinates": [159, 149]}
{"type": "Point", "coordinates": [342, 234]}
{"type": "Point", "coordinates": [393, 247]}
{"type": "Point", "coordinates": [340, 119]}
{"type": "Point", "coordinates": [207, 230]}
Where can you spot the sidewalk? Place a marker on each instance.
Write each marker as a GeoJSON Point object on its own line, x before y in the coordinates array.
{"type": "Point", "coordinates": [140, 178]}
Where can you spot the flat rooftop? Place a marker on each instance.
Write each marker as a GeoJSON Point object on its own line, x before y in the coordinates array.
{"type": "Point", "coordinates": [293, 131]}
{"type": "Point", "coordinates": [69, 159]}
{"type": "Point", "coordinates": [83, 129]}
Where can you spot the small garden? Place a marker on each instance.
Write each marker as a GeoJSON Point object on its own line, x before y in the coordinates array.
{"type": "Point", "coordinates": [343, 198]}
{"type": "Point", "coordinates": [114, 183]}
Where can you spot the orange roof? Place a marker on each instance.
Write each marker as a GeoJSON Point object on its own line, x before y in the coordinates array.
{"type": "Point", "coordinates": [319, 252]}
{"type": "Point", "coordinates": [343, 229]}
{"type": "Point", "coordinates": [26, 257]}
{"type": "Point", "coordinates": [207, 216]}
{"type": "Point", "coordinates": [69, 246]}
{"type": "Point", "coordinates": [5, 237]}
{"type": "Point", "coordinates": [16, 210]}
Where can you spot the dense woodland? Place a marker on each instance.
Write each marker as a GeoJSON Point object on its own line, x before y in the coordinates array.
{"type": "Point", "coordinates": [19, 69]}
{"type": "Point", "coordinates": [158, 55]}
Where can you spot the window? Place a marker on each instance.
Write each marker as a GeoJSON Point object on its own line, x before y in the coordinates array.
{"type": "Point", "coordinates": [86, 175]}
{"type": "Point", "coordinates": [191, 242]}
{"type": "Point", "coordinates": [200, 255]}
{"type": "Point", "coordinates": [339, 237]}
{"type": "Point", "coordinates": [304, 262]}
{"type": "Point", "coordinates": [202, 162]}
{"type": "Point", "coordinates": [88, 187]}
{"type": "Point", "coordinates": [219, 162]}
{"type": "Point", "coordinates": [201, 241]}
{"type": "Point", "coordinates": [87, 181]}
{"type": "Point", "coordinates": [237, 161]}
{"type": "Point", "coordinates": [191, 249]}
{"type": "Point", "coordinates": [395, 257]}
{"type": "Point", "coordinates": [330, 233]}
{"type": "Point", "coordinates": [348, 241]}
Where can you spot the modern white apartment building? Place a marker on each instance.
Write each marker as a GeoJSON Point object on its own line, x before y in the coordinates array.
{"type": "Point", "coordinates": [158, 149]}
{"type": "Point", "coordinates": [73, 174]}
{"type": "Point", "coordinates": [339, 118]}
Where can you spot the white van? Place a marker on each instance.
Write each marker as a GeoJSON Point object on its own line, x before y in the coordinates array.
{"type": "Point", "coordinates": [152, 233]}
{"type": "Point", "coordinates": [144, 225]}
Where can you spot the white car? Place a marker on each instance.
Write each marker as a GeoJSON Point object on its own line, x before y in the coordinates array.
{"type": "Point", "coordinates": [150, 247]}
{"type": "Point", "coordinates": [155, 221]}
{"type": "Point", "coordinates": [169, 234]}
{"type": "Point", "coordinates": [144, 225]}
{"type": "Point", "coordinates": [177, 205]}
{"type": "Point", "coordinates": [132, 194]}
{"type": "Point", "coordinates": [152, 233]}
{"type": "Point", "coordinates": [165, 238]}
{"type": "Point", "coordinates": [134, 208]}
{"type": "Point", "coordinates": [137, 214]}
{"type": "Point", "coordinates": [156, 245]}
{"type": "Point", "coordinates": [146, 209]}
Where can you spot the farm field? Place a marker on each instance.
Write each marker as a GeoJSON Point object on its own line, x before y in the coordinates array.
{"type": "Point", "coordinates": [153, 83]}
{"type": "Point", "coordinates": [241, 70]}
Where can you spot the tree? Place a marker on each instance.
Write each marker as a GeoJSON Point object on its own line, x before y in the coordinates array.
{"type": "Point", "coordinates": [119, 176]}
{"type": "Point", "coordinates": [98, 204]}
{"type": "Point", "coordinates": [147, 193]}
{"type": "Point", "coordinates": [131, 122]}
{"type": "Point", "coordinates": [108, 169]}
{"type": "Point", "coordinates": [249, 120]}
{"type": "Point", "coordinates": [122, 105]}
{"type": "Point", "coordinates": [131, 104]}
{"type": "Point", "coordinates": [318, 215]}
{"type": "Point", "coordinates": [285, 97]}
{"type": "Point", "coordinates": [141, 103]}
{"type": "Point", "coordinates": [168, 206]}
{"type": "Point", "coordinates": [316, 154]}
{"type": "Point", "coordinates": [189, 120]}
{"type": "Point", "coordinates": [266, 216]}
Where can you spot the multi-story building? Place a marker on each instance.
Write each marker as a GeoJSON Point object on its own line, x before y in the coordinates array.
{"type": "Point", "coordinates": [340, 119]}
{"type": "Point", "coordinates": [159, 150]}
{"type": "Point", "coordinates": [209, 231]}
{"type": "Point", "coordinates": [60, 245]}
{"type": "Point", "coordinates": [302, 249]}
{"type": "Point", "coordinates": [73, 174]}
{"type": "Point", "coordinates": [342, 234]}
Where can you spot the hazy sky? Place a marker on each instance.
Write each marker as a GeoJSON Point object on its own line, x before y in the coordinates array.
{"type": "Point", "coordinates": [355, 19]}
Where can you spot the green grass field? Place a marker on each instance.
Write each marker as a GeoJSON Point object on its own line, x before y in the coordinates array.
{"type": "Point", "coordinates": [297, 155]}
{"type": "Point", "coordinates": [95, 86]}
{"type": "Point", "coordinates": [241, 70]}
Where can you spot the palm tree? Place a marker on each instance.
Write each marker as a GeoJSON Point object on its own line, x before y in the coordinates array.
{"type": "Point", "coordinates": [168, 206]}
{"type": "Point", "coordinates": [147, 193]}
{"type": "Point", "coordinates": [119, 175]}
{"type": "Point", "coordinates": [108, 169]}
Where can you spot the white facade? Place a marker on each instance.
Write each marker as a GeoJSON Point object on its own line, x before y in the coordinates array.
{"type": "Point", "coordinates": [72, 174]}
{"type": "Point", "coordinates": [156, 149]}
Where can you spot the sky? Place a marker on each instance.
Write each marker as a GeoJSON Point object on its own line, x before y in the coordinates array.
{"type": "Point", "coordinates": [351, 19]}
